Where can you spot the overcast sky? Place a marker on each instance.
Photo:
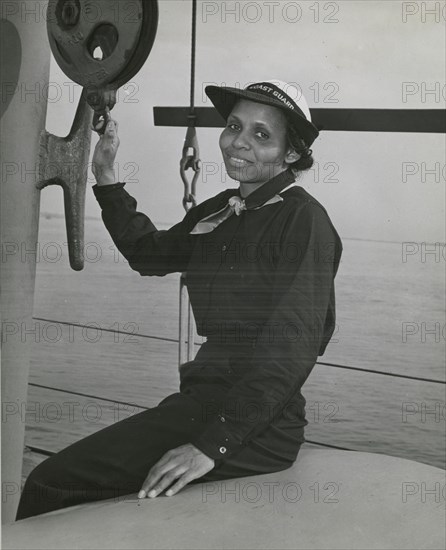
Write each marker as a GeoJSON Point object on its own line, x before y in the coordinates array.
{"type": "Point", "coordinates": [369, 54]}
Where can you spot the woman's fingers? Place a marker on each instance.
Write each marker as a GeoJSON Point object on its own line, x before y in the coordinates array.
{"type": "Point", "coordinates": [166, 481]}
{"type": "Point", "coordinates": [160, 477]}
{"type": "Point", "coordinates": [105, 153]}
{"type": "Point", "coordinates": [107, 145]}
{"type": "Point", "coordinates": [111, 128]}
{"type": "Point", "coordinates": [164, 464]}
{"type": "Point", "coordinates": [115, 122]}
{"type": "Point", "coordinates": [182, 482]}
{"type": "Point", "coordinates": [185, 462]}
{"type": "Point", "coordinates": [110, 137]}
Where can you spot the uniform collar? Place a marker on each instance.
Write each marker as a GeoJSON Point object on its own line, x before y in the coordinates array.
{"type": "Point", "coordinates": [266, 191]}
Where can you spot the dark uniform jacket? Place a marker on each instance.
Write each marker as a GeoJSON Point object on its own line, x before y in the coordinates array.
{"type": "Point", "coordinates": [264, 278]}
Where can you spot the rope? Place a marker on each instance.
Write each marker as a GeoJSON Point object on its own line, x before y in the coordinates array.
{"type": "Point", "coordinates": [327, 445]}
{"type": "Point", "coordinates": [71, 392]}
{"type": "Point", "coordinates": [192, 56]}
{"type": "Point", "coordinates": [371, 371]}
{"type": "Point", "coordinates": [39, 451]}
{"type": "Point", "coordinates": [188, 159]}
{"type": "Point", "coordinates": [79, 325]}
{"type": "Point", "coordinates": [336, 365]}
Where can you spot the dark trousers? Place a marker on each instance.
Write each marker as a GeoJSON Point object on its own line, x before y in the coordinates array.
{"type": "Point", "coordinates": [115, 461]}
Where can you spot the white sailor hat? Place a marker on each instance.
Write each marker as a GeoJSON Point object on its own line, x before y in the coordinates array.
{"type": "Point", "coordinates": [277, 93]}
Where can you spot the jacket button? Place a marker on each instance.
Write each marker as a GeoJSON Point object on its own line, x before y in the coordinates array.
{"type": "Point", "coordinates": [222, 419]}
{"type": "Point", "coordinates": [224, 247]}
{"type": "Point", "coordinates": [222, 450]}
{"type": "Point", "coordinates": [231, 267]}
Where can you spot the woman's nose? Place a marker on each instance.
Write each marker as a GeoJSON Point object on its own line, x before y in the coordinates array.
{"type": "Point", "coordinates": [240, 141]}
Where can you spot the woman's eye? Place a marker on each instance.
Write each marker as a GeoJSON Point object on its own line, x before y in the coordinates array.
{"type": "Point", "coordinates": [233, 126]}
{"type": "Point", "coordinates": [262, 135]}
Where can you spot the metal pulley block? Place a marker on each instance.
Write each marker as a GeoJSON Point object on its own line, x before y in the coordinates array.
{"type": "Point", "coordinates": [101, 45]}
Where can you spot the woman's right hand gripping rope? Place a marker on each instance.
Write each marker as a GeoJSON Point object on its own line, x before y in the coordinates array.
{"type": "Point", "coordinates": [104, 155]}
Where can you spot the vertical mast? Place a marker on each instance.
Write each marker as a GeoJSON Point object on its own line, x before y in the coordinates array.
{"type": "Point", "coordinates": [25, 60]}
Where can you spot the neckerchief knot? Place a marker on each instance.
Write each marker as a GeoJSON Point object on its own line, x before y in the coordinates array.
{"type": "Point", "coordinates": [268, 193]}
{"type": "Point", "coordinates": [237, 204]}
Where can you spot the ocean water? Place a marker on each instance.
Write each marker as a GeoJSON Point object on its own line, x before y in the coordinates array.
{"type": "Point", "coordinates": [391, 318]}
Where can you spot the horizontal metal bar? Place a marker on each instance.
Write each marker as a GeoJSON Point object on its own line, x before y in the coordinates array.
{"type": "Point", "coordinates": [164, 339]}
{"type": "Point", "coordinates": [205, 117]}
{"type": "Point", "coordinates": [91, 396]}
{"type": "Point", "coordinates": [39, 451]}
{"type": "Point", "coordinates": [372, 371]}
{"type": "Point", "coordinates": [340, 120]}
{"type": "Point", "coordinates": [327, 445]}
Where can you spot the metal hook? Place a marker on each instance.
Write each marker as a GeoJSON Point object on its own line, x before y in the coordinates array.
{"type": "Point", "coordinates": [190, 161]}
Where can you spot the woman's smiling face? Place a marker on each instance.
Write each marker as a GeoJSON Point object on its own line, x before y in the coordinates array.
{"type": "Point", "coordinates": [254, 143]}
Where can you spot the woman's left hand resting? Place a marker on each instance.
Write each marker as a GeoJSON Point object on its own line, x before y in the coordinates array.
{"type": "Point", "coordinates": [182, 465]}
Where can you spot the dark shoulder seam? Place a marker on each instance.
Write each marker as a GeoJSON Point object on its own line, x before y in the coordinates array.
{"type": "Point", "coordinates": [299, 193]}
{"type": "Point", "coordinates": [302, 198]}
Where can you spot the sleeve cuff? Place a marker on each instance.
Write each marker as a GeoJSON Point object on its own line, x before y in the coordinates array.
{"type": "Point", "coordinates": [216, 442]}
{"type": "Point", "coordinates": [102, 190]}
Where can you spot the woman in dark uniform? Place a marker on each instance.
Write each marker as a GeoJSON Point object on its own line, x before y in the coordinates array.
{"type": "Point", "coordinates": [260, 260]}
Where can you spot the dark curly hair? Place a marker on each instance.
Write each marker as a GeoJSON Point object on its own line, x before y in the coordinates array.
{"type": "Point", "coordinates": [306, 160]}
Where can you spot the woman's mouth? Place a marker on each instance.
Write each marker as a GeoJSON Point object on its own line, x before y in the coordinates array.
{"type": "Point", "coordinates": [236, 161]}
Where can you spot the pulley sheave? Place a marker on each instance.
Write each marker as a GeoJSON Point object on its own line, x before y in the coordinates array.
{"type": "Point", "coordinates": [101, 43]}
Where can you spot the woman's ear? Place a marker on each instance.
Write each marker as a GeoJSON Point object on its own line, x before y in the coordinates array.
{"type": "Point", "coordinates": [291, 156]}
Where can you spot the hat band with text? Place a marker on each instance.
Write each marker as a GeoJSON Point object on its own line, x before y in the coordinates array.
{"type": "Point", "coordinates": [274, 92]}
